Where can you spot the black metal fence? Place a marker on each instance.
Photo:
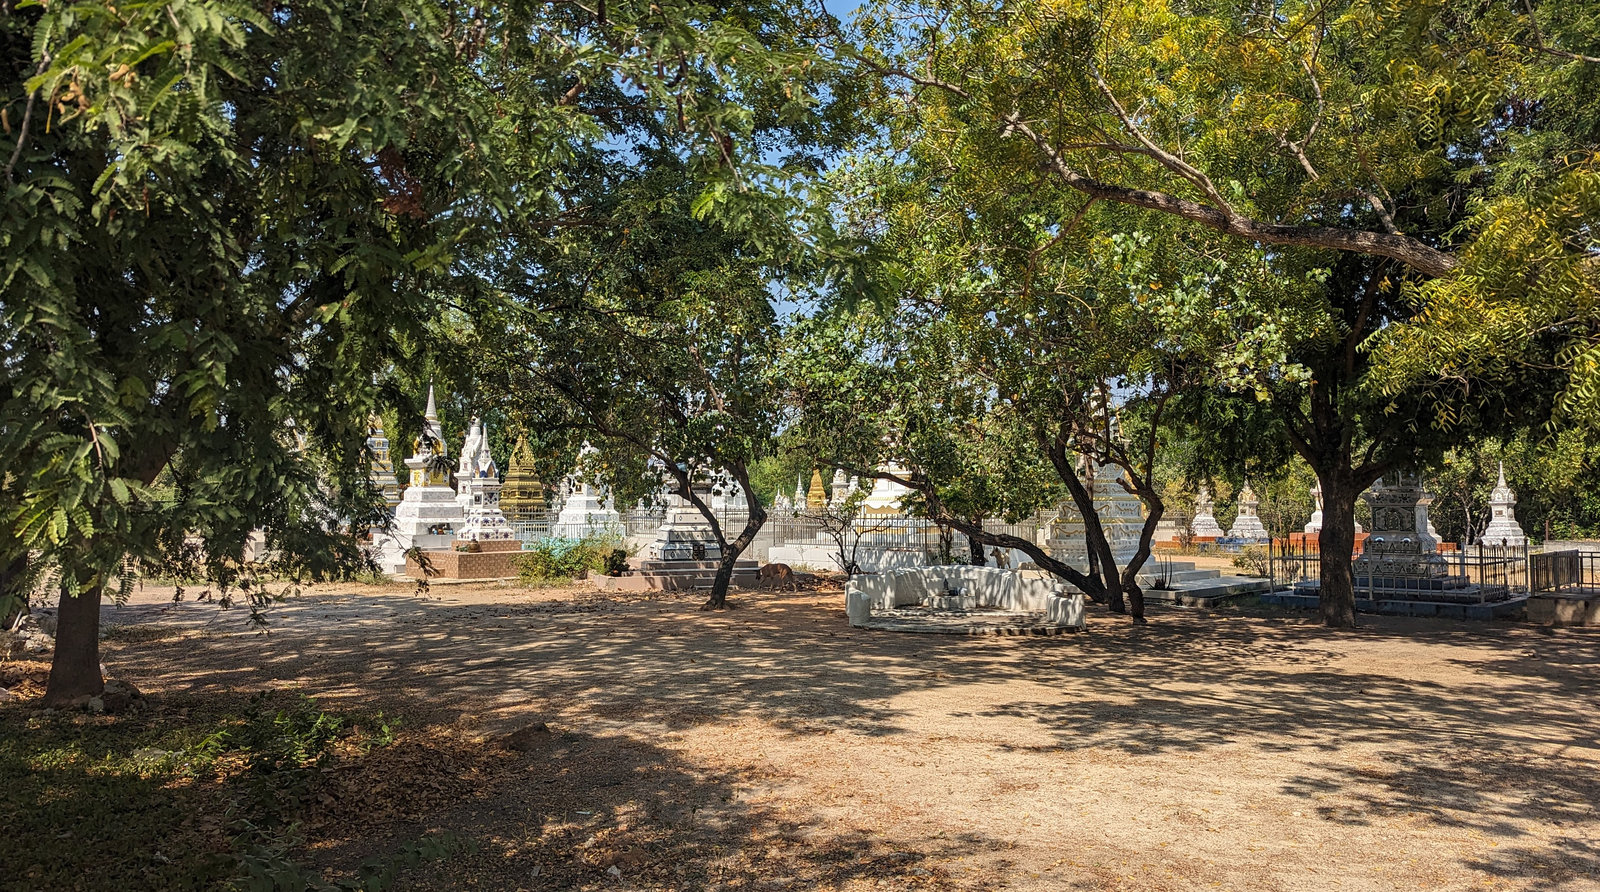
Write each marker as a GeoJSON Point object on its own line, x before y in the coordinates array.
{"type": "Point", "coordinates": [1471, 573]}
{"type": "Point", "coordinates": [1564, 571]}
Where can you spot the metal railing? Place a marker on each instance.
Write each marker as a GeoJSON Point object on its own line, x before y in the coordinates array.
{"type": "Point", "coordinates": [1564, 571]}
{"type": "Point", "coordinates": [1471, 573]}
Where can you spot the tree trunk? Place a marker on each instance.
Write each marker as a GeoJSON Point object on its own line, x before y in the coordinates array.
{"type": "Point", "coordinates": [1337, 542]}
{"type": "Point", "coordinates": [724, 579]}
{"type": "Point", "coordinates": [14, 590]}
{"type": "Point", "coordinates": [75, 669]}
{"type": "Point", "coordinates": [754, 521]}
{"type": "Point", "coordinates": [976, 547]}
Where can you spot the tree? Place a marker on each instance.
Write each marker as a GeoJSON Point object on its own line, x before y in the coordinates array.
{"type": "Point", "coordinates": [656, 335]}
{"type": "Point", "coordinates": [222, 219]}
{"type": "Point", "coordinates": [1366, 171]}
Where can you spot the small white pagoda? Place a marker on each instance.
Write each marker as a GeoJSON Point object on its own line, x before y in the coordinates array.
{"type": "Point", "coordinates": [428, 516]}
{"type": "Point", "coordinates": [1503, 528]}
{"type": "Point", "coordinates": [478, 479]}
{"type": "Point", "coordinates": [1247, 526]}
{"type": "Point", "coordinates": [1205, 523]}
{"type": "Point", "coordinates": [1121, 516]}
{"type": "Point", "coordinates": [587, 510]}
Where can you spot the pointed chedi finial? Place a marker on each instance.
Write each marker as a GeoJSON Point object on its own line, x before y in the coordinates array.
{"type": "Point", "coordinates": [431, 413]}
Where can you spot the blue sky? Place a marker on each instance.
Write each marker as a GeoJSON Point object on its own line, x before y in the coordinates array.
{"type": "Point", "coordinates": [842, 8]}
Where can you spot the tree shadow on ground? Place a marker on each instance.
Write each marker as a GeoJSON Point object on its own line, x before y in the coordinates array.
{"type": "Point", "coordinates": [571, 810]}
{"type": "Point", "coordinates": [1482, 756]}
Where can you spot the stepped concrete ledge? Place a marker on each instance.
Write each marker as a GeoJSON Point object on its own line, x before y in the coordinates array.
{"type": "Point", "coordinates": [1209, 592]}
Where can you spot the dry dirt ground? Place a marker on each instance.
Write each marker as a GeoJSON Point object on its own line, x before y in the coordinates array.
{"type": "Point", "coordinates": [772, 747]}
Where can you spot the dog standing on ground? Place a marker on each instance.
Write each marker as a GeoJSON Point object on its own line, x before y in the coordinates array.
{"type": "Point", "coordinates": [776, 575]}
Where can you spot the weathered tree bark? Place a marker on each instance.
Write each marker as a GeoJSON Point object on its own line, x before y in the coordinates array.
{"type": "Point", "coordinates": [1337, 542]}
{"type": "Point", "coordinates": [730, 550]}
{"type": "Point", "coordinates": [75, 668]}
{"type": "Point", "coordinates": [978, 559]}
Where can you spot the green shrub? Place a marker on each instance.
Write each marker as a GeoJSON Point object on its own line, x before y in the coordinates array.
{"type": "Point", "coordinates": [1252, 559]}
{"type": "Point", "coordinates": [553, 558]}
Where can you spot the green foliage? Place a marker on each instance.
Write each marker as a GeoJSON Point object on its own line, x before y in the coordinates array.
{"type": "Point", "coordinates": [555, 559]}
{"type": "Point", "coordinates": [1252, 559]}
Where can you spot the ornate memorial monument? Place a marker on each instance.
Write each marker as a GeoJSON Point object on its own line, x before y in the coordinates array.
{"type": "Point", "coordinates": [686, 535]}
{"type": "Point", "coordinates": [1205, 524]}
{"type": "Point", "coordinates": [428, 516]}
{"type": "Point", "coordinates": [816, 496]}
{"type": "Point", "coordinates": [1247, 526]}
{"type": "Point", "coordinates": [383, 479]}
{"type": "Point", "coordinates": [1503, 529]}
{"type": "Point", "coordinates": [479, 482]}
{"type": "Point", "coordinates": [1396, 550]}
{"type": "Point", "coordinates": [522, 498]}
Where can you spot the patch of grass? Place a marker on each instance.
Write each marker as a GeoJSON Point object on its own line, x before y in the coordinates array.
{"type": "Point", "coordinates": [172, 798]}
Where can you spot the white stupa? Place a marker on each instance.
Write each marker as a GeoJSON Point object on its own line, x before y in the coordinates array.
{"type": "Point", "coordinates": [1314, 526]}
{"type": "Point", "coordinates": [1503, 527]}
{"type": "Point", "coordinates": [1425, 530]}
{"type": "Point", "coordinates": [1121, 516]}
{"type": "Point", "coordinates": [1205, 523]}
{"type": "Point", "coordinates": [587, 511]}
{"type": "Point", "coordinates": [887, 496]}
{"type": "Point", "coordinates": [1247, 526]}
{"type": "Point", "coordinates": [428, 516]}
{"type": "Point", "coordinates": [840, 490]}
{"type": "Point", "coordinates": [479, 483]}
{"type": "Point", "coordinates": [1121, 512]}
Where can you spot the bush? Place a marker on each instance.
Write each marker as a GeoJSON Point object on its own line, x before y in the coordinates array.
{"type": "Point", "coordinates": [1252, 559]}
{"type": "Point", "coordinates": [616, 562]}
{"type": "Point", "coordinates": [553, 558]}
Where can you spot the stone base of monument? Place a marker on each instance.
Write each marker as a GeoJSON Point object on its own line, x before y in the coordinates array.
{"type": "Point", "coordinates": [676, 576]}
{"type": "Point", "coordinates": [1565, 608]}
{"type": "Point", "coordinates": [962, 600]}
{"type": "Point", "coordinates": [486, 563]}
{"type": "Point", "coordinates": [1207, 593]}
{"type": "Point", "coordinates": [1407, 602]}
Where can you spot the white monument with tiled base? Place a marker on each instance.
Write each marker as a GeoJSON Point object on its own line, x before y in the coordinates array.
{"type": "Point", "coordinates": [685, 535]}
{"type": "Point", "coordinates": [428, 516]}
{"type": "Point", "coordinates": [1503, 529]}
{"type": "Point", "coordinates": [479, 482]}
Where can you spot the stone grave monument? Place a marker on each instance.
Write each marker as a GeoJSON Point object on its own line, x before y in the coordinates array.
{"type": "Point", "coordinates": [1503, 529]}
{"type": "Point", "coordinates": [1247, 527]}
{"type": "Point", "coordinates": [478, 480]}
{"type": "Point", "coordinates": [587, 510]}
{"type": "Point", "coordinates": [1205, 524]}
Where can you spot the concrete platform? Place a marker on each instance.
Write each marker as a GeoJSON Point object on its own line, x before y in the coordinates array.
{"type": "Point", "coordinates": [675, 576]}
{"type": "Point", "coordinates": [1581, 608]}
{"type": "Point", "coordinates": [1209, 592]}
{"type": "Point", "coordinates": [1512, 608]}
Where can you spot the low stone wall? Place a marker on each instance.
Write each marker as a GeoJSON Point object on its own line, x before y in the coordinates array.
{"type": "Point", "coordinates": [467, 564]}
{"type": "Point", "coordinates": [963, 588]}
{"type": "Point", "coordinates": [1564, 609]}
